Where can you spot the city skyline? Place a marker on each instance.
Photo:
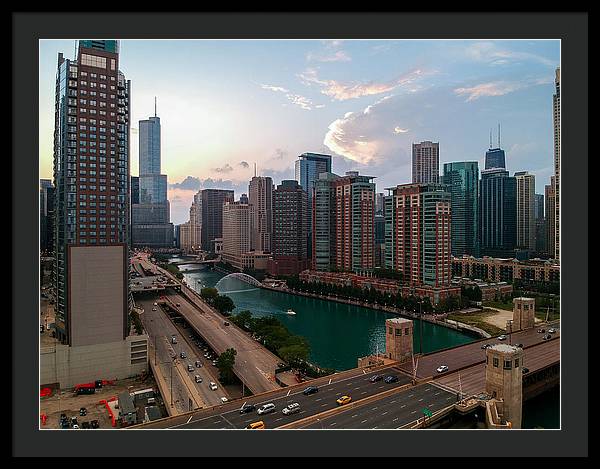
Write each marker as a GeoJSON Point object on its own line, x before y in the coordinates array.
{"type": "Point", "coordinates": [363, 101]}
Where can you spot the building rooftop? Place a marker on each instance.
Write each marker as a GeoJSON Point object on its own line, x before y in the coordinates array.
{"type": "Point", "coordinates": [399, 320]}
{"type": "Point", "coordinates": [504, 348]}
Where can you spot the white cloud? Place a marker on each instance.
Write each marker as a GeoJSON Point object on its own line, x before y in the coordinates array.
{"type": "Point", "coordinates": [343, 91]}
{"type": "Point", "coordinates": [336, 56]}
{"type": "Point", "coordinates": [400, 130]}
{"type": "Point", "coordinates": [273, 88]}
{"type": "Point", "coordinates": [301, 101]}
{"type": "Point", "coordinates": [492, 54]}
{"type": "Point", "coordinates": [499, 88]}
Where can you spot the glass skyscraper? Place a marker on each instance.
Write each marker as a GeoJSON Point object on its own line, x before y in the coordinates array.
{"type": "Point", "coordinates": [495, 158]}
{"type": "Point", "coordinates": [462, 181]}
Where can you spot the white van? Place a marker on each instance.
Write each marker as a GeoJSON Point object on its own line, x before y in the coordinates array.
{"type": "Point", "coordinates": [291, 409]}
{"type": "Point", "coordinates": [266, 408]}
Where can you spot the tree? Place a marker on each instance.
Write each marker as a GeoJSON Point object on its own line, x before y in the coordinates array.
{"type": "Point", "coordinates": [243, 319]}
{"type": "Point", "coordinates": [209, 295]}
{"type": "Point", "coordinates": [225, 364]}
{"type": "Point", "coordinates": [294, 354]}
{"type": "Point", "coordinates": [223, 304]}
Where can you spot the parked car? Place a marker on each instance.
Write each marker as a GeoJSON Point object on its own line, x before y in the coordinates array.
{"type": "Point", "coordinates": [214, 362]}
{"type": "Point", "coordinates": [310, 390]}
{"type": "Point", "coordinates": [291, 409]}
{"type": "Point", "coordinates": [547, 337]}
{"type": "Point", "coordinates": [541, 331]}
{"type": "Point", "coordinates": [225, 323]}
{"type": "Point", "coordinates": [441, 368]}
{"type": "Point", "coordinates": [265, 408]}
{"type": "Point", "coordinates": [376, 378]}
{"type": "Point", "coordinates": [391, 379]}
{"type": "Point", "coordinates": [344, 400]}
{"type": "Point", "coordinates": [247, 408]}
{"type": "Point", "coordinates": [519, 345]}
{"type": "Point", "coordinates": [83, 411]}
{"type": "Point", "coordinates": [525, 370]}
{"type": "Point", "coordinates": [177, 304]}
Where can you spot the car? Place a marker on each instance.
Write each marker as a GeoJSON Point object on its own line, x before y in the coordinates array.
{"type": "Point", "coordinates": [344, 400]}
{"type": "Point", "coordinates": [73, 421]}
{"type": "Point", "coordinates": [191, 367]}
{"type": "Point", "coordinates": [198, 378]}
{"type": "Point", "coordinates": [177, 304]}
{"type": "Point", "coordinates": [391, 379]}
{"type": "Point", "coordinates": [441, 368]}
{"type": "Point", "coordinates": [212, 386]}
{"type": "Point", "coordinates": [260, 425]}
{"type": "Point", "coordinates": [83, 411]}
{"type": "Point", "coordinates": [525, 370]}
{"type": "Point", "coordinates": [173, 340]}
{"type": "Point", "coordinates": [265, 408]}
{"type": "Point", "coordinates": [224, 399]}
{"type": "Point", "coordinates": [191, 336]}
{"type": "Point", "coordinates": [214, 362]}
{"type": "Point", "coordinates": [225, 323]}
{"type": "Point", "coordinates": [501, 337]}
{"type": "Point", "coordinates": [551, 331]}
{"type": "Point", "coordinates": [547, 337]}
{"type": "Point", "coordinates": [485, 346]}
{"type": "Point", "coordinates": [95, 424]}
{"type": "Point", "coordinates": [310, 390]}
{"type": "Point", "coordinates": [247, 408]}
{"type": "Point", "coordinates": [291, 409]}
{"type": "Point", "coordinates": [519, 345]}
{"type": "Point", "coordinates": [198, 364]}
{"type": "Point", "coordinates": [75, 427]}
{"type": "Point", "coordinates": [541, 331]}
{"type": "Point", "coordinates": [182, 355]}
{"type": "Point", "coordinates": [376, 378]}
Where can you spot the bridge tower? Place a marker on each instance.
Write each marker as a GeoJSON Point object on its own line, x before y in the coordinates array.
{"type": "Point", "coordinates": [523, 314]}
{"type": "Point", "coordinates": [399, 339]}
{"type": "Point", "coordinates": [504, 382]}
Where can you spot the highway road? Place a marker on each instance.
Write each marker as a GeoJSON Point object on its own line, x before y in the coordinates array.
{"type": "Point", "coordinates": [395, 411]}
{"type": "Point", "coordinates": [254, 364]}
{"type": "Point", "coordinates": [471, 354]}
{"type": "Point", "coordinates": [358, 386]}
{"type": "Point", "coordinates": [160, 329]}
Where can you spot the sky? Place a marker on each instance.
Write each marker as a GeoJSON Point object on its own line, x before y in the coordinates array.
{"type": "Point", "coordinates": [226, 105]}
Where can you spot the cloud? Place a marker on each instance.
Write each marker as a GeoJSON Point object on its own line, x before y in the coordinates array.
{"type": "Point", "coordinates": [280, 154]}
{"type": "Point", "coordinates": [189, 183]}
{"type": "Point", "coordinates": [244, 164]}
{"type": "Point", "coordinates": [399, 130]}
{"type": "Point", "coordinates": [226, 168]}
{"type": "Point", "coordinates": [492, 54]}
{"type": "Point", "coordinates": [301, 101]}
{"type": "Point", "coordinates": [336, 56]}
{"type": "Point", "coordinates": [499, 88]}
{"type": "Point", "coordinates": [343, 91]}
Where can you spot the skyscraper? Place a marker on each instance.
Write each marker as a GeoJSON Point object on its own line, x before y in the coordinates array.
{"type": "Point", "coordinates": [462, 180]}
{"type": "Point", "coordinates": [236, 232]}
{"type": "Point", "coordinates": [550, 214]}
{"type": "Point", "coordinates": [289, 229]}
{"type": "Point", "coordinates": [91, 176]}
{"type": "Point", "coordinates": [46, 215]}
{"type": "Point", "coordinates": [151, 216]}
{"type": "Point", "coordinates": [556, 121]}
{"type": "Point", "coordinates": [525, 210]}
{"type": "Point", "coordinates": [212, 201]}
{"type": "Point", "coordinates": [418, 233]}
{"type": "Point", "coordinates": [498, 213]}
{"type": "Point", "coordinates": [135, 190]}
{"type": "Point", "coordinates": [425, 162]}
{"type": "Point", "coordinates": [495, 157]}
{"type": "Point", "coordinates": [540, 225]}
{"type": "Point", "coordinates": [260, 196]}
{"type": "Point", "coordinates": [307, 168]}
{"type": "Point", "coordinates": [344, 222]}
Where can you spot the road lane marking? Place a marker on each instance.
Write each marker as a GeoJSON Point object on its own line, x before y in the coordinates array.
{"type": "Point", "coordinates": [357, 388]}
{"type": "Point", "coordinates": [354, 415]}
{"type": "Point", "coordinates": [332, 424]}
{"type": "Point", "coordinates": [364, 421]}
{"type": "Point", "coordinates": [189, 419]}
{"type": "Point", "coordinates": [289, 391]}
{"type": "Point", "coordinates": [384, 413]}
{"type": "Point", "coordinates": [364, 392]}
{"type": "Point", "coordinates": [329, 382]}
{"type": "Point", "coordinates": [420, 400]}
{"type": "Point", "coordinates": [323, 405]}
{"type": "Point", "coordinates": [410, 395]}
{"type": "Point", "coordinates": [374, 408]}
{"type": "Point", "coordinates": [395, 419]}
{"type": "Point", "coordinates": [317, 400]}
{"type": "Point", "coordinates": [403, 406]}
{"type": "Point", "coordinates": [414, 412]}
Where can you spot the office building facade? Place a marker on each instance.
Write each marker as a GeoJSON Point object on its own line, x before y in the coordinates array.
{"type": "Point", "coordinates": [550, 210]}
{"type": "Point", "coordinates": [212, 201]}
{"type": "Point", "coordinates": [495, 158]}
{"type": "Point", "coordinates": [498, 213]}
{"type": "Point", "coordinates": [237, 218]}
{"type": "Point", "coordinates": [556, 125]}
{"type": "Point", "coordinates": [525, 210]}
{"type": "Point", "coordinates": [462, 181]}
{"type": "Point", "coordinates": [425, 162]}
{"type": "Point", "coordinates": [289, 229]}
{"type": "Point", "coordinates": [260, 196]}
{"type": "Point", "coordinates": [418, 233]}
{"type": "Point", "coordinates": [46, 216]}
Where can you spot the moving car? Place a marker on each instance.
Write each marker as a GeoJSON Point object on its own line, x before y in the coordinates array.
{"type": "Point", "coordinates": [291, 409]}
{"type": "Point", "coordinates": [441, 368]}
{"type": "Point", "coordinates": [213, 386]}
{"type": "Point", "coordinates": [214, 362]}
{"type": "Point", "coordinates": [191, 367]}
{"type": "Point", "coordinates": [519, 345]}
{"type": "Point", "coordinates": [247, 408]}
{"type": "Point", "coordinates": [265, 408]}
{"type": "Point", "coordinates": [551, 331]}
{"type": "Point", "coordinates": [541, 331]}
{"type": "Point", "coordinates": [391, 379]}
{"type": "Point", "coordinates": [501, 337]}
{"type": "Point", "coordinates": [343, 400]}
{"type": "Point", "coordinates": [155, 304]}
{"type": "Point", "coordinates": [376, 378]}
{"type": "Point", "coordinates": [223, 399]}
{"type": "Point", "coordinates": [198, 364]}
{"type": "Point", "coordinates": [484, 346]}
{"type": "Point", "coordinates": [198, 378]}
{"type": "Point", "coordinates": [260, 425]}
{"type": "Point", "coordinates": [182, 355]}
{"type": "Point", "coordinates": [153, 309]}
{"type": "Point", "coordinates": [310, 390]}
{"type": "Point", "coordinates": [547, 337]}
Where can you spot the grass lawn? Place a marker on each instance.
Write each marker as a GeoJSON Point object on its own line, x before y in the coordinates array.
{"type": "Point", "coordinates": [499, 305]}
{"type": "Point", "coordinates": [477, 320]}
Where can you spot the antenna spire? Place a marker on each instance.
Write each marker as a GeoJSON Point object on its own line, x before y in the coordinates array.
{"type": "Point", "coordinates": [254, 169]}
{"type": "Point", "coordinates": [498, 134]}
{"type": "Point", "coordinates": [490, 138]}
{"type": "Point", "coordinates": [154, 106]}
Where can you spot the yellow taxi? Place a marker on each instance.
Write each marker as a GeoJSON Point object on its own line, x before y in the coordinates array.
{"type": "Point", "coordinates": [344, 400]}
{"type": "Point", "coordinates": [260, 425]}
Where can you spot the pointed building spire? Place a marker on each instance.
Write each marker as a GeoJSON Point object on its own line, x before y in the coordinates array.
{"type": "Point", "coordinates": [154, 106]}
{"type": "Point", "coordinates": [490, 138]}
{"type": "Point", "coordinates": [498, 134]}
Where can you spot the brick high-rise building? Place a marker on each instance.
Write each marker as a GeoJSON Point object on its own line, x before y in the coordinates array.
{"type": "Point", "coordinates": [418, 233]}
{"type": "Point", "coordinates": [212, 215]}
{"type": "Point", "coordinates": [425, 162]}
{"type": "Point", "coordinates": [289, 229]}
{"type": "Point", "coordinates": [91, 176]}
{"type": "Point", "coordinates": [260, 196]}
{"type": "Point", "coordinates": [344, 222]}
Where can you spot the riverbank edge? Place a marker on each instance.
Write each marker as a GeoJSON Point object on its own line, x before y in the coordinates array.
{"type": "Point", "coordinates": [457, 326]}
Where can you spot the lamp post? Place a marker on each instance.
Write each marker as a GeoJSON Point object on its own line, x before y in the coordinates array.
{"type": "Point", "coordinates": [421, 327]}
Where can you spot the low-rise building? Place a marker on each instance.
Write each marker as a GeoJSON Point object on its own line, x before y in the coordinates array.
{"type": "Point", "coordinates": [490, 291]}
{"type": "Point", "coordinates": [506, 270]}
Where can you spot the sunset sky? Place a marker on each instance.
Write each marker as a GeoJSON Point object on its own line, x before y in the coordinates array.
{"type": "Point", "coordinates": [225, 105]}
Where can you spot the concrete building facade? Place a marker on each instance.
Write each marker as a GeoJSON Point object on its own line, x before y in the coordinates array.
{"type": "Point", "coordinates": [523, 314]}
{"type": "Point", "coordinates": [556, 124]}
{"type": "Point", "coordinates": [505, 270]}
{"type": "Point", "coordinates": [550, 196]}
{"type": "Point", "coordinates": [236, 232]}
{"type": "Point", "coordinates": [504, 382]}
{"type": "Point", "coordinates": [399, 339]}
{"type": "Point", "coordinates": [260, 196]}
{"type": "Point", "coordinates": [425, 162]}
{"type": "Point", "coordinates": [212, 215]}
{"type": "Point", "coordinates": [525, 210]}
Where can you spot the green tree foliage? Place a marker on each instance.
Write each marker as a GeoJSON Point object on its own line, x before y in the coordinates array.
{"type": "Point", "coordinates": [223, 304]}
{"type": "Point", "coordinates": [225, 364]}
{"type": "Point", "coordinates": [209, 295]}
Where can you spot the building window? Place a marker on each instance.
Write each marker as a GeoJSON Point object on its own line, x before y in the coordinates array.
{"type": "Point", "coordinates": [495, 362]}
{"type": "Point", "coordinates": [516, 363]}
{"type": "Point", "coordinates": [507, 364]}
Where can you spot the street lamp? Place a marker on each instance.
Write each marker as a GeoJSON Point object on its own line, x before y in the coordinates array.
{"type": "Point", "coordinates": [172, 365]}
{"type": "Point", "coordinates": [421, 327]}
